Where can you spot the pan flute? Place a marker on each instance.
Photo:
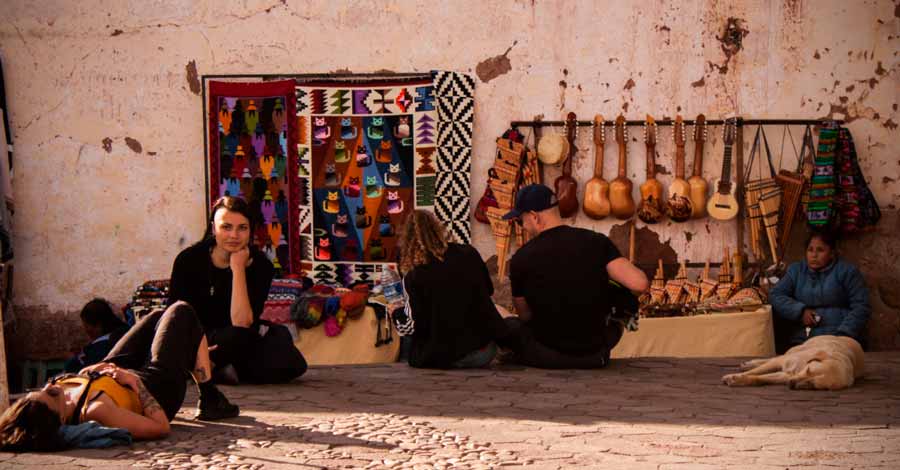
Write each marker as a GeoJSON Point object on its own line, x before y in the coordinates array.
{"type": "Point", "coordinates": [792, 185]}
{"type": "Point", "coordinates": [501, 230]}
{"type": "Point", "coordinates": [770, 206]}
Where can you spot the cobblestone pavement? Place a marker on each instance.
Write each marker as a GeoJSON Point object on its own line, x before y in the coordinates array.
{"type": "Point", "coordinates": [647, 413]}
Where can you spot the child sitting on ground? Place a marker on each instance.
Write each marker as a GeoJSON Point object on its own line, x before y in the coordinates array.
{"type": "Point", "coordinates": [103, 328]}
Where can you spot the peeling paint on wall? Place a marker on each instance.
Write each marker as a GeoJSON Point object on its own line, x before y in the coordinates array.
{"type": "Point", "coordinates": [74, 80]}
{"type": "Point", "coordinates": [494, 67]}
{"type": "Point", "coordinates": [133, 144]}
{"type": "Point", "coordinates": [192, 78]}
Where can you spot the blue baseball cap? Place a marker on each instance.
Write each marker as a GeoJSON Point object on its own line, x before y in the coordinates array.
{"type": "Point", "coordinates": [534, 197]}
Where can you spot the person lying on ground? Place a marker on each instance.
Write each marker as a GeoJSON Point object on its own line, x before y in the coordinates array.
{"type": "Point", "coordinates": [139, 386]}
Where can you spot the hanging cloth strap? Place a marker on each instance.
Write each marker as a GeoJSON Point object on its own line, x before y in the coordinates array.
{"type": "Point", "coordinates": [82, 399]}
{"type": "Point", "coordinates": [807, 154]}
{"type": "Point", "coordinates": [765, 145]}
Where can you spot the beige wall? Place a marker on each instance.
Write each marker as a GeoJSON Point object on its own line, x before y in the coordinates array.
{"type": "Point", "coordinates": [97, 221]}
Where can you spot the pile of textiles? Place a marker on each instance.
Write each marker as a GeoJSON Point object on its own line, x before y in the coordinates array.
{"type": "Point", "coordinates": [323, 304]}
{"type": "Point", "coordinates": [282, 294]}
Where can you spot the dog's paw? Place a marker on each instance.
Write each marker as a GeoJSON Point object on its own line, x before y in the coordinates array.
{"type": "Point", "coordinates": [751, 364]}
{"type": "Point", "coordinates": [731, 379]}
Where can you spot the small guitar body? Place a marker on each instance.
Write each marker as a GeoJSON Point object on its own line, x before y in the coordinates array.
{"type": "Point", "coordinates": [596, 192]}
{"type": "Point", "coordinates": [566, 187]}
{"type": "Point", "coordinates": [699, 189]}
{"type": "Point", "coordinates": [651, 210]}
{"type": "Point", "coordinates": [679, 207]}
{"type": "Point", "coordinates": [621, 201]}
{"type": "Point", "coordinates": [723, 205]}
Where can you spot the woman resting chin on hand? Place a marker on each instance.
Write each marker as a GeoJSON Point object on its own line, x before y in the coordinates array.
{"type": "Point", "coordinates": [226, 279]}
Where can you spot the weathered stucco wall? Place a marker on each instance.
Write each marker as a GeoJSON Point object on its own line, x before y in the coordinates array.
{"type": "Point", "coordinates": [105, 104]}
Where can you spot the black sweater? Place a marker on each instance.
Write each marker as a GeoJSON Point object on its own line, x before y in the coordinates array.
{"type": "Point", "coordinates": [208, 289]}
{"type": "Point", "coordinates": [450, 303]}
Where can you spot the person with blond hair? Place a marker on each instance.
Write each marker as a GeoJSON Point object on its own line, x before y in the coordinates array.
{"type": "Point", "coordinates": [451, 318]}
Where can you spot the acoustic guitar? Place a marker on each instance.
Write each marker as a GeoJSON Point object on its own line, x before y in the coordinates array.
{"type": "Point", "coordinates": [565, 185]}
{"type": "Point", "coordinates": [651, 210]}
{"type": "Point", "coordinates": [699, 188]}
{"type": "Point", "coordinates": [596, 192]}
{"type": "Point", "coordinates": [723, 205]}
{"type": "Point", "coordinates": [620, 189]}
{"type": "Point", "coordinates": [679, 206]}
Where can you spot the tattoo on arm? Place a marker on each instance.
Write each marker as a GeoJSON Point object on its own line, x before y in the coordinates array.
{"type": "Point", "coordinates": [147, 401]}
{"type": "Point", "coordinates": [200, 375]}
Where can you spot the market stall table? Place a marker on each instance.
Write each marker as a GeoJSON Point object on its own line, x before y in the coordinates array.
{"type": "Point", "coordinates": [354, 345]}
{"type": "Point", "coordinates": [738, 334]}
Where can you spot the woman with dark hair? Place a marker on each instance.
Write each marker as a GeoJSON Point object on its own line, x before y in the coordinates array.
{"type": "Point", "coordinates": [453, 320]}
{"type": "Point", "coordinates": [822, 295]}
{"type": "Point", "coordinates": [227, 281]}
{"type": "Point", "coordinates": [139, 386]}
{"type": "Point", "coordinates": [103, 328]}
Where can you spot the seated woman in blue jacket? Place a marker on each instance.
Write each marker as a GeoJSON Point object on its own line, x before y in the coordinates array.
{"type": "Point", "coordinates": [824, 293]}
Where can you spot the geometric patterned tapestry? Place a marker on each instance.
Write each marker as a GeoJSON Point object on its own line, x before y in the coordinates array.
{"type": "Point", "coordinates": [250, 127]}
{"type": "Point", "coordinates": [362, 154]}
{"type": "Point", "coordinates": [370, 153]}
{"type": "Point", "coordinates": [456, 111]}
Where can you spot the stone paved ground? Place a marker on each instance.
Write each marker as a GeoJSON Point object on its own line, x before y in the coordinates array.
{"type": "Point", "coordinates": [648, 413]}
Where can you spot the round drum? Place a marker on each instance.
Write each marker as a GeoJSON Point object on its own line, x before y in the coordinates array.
{"type": "Point", "coordinates": [553, 149]}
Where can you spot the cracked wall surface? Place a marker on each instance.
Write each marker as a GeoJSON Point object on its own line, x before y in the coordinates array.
{"type": "Point", "coordinates": [106, 113]}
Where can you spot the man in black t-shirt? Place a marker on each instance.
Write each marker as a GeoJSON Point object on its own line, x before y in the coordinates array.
{"type": "Point", "coordinates": [560, 287]}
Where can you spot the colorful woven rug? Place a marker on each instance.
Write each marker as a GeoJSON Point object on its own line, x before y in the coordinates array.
{"type": "Point", "coordinates": [370, 153]}
{"type": "Point", "coordinates": [250, 157]}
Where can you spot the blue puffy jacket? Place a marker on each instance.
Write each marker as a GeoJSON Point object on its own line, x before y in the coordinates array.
{"type": "Point", "coordinates": [837, 293]}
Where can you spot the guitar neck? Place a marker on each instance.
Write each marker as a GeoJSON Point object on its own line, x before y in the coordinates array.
{"type": "Point", "coordinates": [651, 161]}
{"type": "Point", "coordinates": [598, 160]}
{"type": "Point", "coordinates": [698, 158]}
{"type": "Point", "coordinates": [623, 152]}
{"type": "Point", "coordinates": [567, 165]}
{"type": "Point", "coordinates": [679, 161]}
{"type": "Point", "coordinates": [725, 182]}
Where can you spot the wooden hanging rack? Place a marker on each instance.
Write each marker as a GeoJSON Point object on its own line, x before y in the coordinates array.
{"type": "Point", "coordinates": [739, 146]}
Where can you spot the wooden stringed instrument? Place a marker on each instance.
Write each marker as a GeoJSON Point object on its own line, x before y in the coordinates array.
{"type": "Point", "coordinates": [596, 192]}
{"type": "Point", "coordinates": [620, 189]}
{"type": "Point", "coordinates": [679, 206]}
{"type": "Point", "coordinates": [565, 185]}
{"type": "Point", "coordinates": [723, 205]}
{"type": "Point", "coordinates": [699, 187]}
{"type": "Point", "coordinates": [651, 210]}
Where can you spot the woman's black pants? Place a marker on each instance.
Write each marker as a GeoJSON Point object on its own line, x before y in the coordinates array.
{"type": "Point", "coordinates": [162, 349]}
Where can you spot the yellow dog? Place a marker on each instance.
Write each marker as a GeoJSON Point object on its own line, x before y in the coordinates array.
{"type": "Point", "coordinates": [821, 363]}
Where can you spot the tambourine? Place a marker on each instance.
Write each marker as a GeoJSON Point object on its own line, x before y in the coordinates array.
{"type": "Point", "coordinates": [553, 149]}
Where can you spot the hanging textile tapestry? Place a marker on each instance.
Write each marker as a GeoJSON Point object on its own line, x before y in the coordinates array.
{"type": "Point", "coordinates": [253, 154]}
{"type": "Point", "coordinates": [370, 152]}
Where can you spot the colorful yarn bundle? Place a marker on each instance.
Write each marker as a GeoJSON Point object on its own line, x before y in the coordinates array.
{"type": "Point", "coordinates": [307, 311]}
{"type": "Point", "coordinates": [354, 302]}
{"type": "Point", "coordinates": [324, 304]}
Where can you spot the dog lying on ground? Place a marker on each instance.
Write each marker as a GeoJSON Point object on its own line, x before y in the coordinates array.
{"type": "Point", "coordinates": [821, 363]}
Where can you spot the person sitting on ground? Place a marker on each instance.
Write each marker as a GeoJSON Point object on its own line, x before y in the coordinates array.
{"type": "Point", "coordinates": [823, 293]}
{"type": "Point", "coordinates": [454, 322]}
{"type": "Point", "coordinates": [560, 287]}
{"type": "Point", "coordinates": [227, 282]}
{"type": "Point", "coordinates": [103, 327]}
{"type": "Point", "coordinates": [139, 386]}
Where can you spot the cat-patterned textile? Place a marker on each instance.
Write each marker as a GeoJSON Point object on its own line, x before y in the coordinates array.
{"type": "Point", "coordinates": [253, 154]}
{"type": "Point", "coordinates": [368, 157]}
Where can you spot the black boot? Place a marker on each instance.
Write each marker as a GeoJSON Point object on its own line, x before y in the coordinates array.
{"type": "Point", "coordinates": [213, 405]}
